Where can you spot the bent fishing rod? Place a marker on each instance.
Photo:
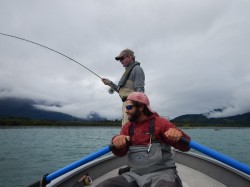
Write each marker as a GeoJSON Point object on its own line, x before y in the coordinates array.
{"type": "Point", "coordinates": [111, 90]}
{"type": "Point", "coordinates": [23, 39]}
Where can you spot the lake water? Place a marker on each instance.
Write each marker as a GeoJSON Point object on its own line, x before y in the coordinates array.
{"type": "Point", "coordinates": [28, 153]}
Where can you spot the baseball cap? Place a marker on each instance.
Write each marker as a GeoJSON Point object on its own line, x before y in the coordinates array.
{"type": "Point", "coordinates": [124, 53]}
{"type": "Point", "coordinates": [141, 98]}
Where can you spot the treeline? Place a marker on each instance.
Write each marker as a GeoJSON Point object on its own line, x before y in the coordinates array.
{"type": "Point", "coordinates": [33, 122]}
{"type": "Point", "coordinates": [194, 120]}
{"type": "Point", "coordinates": [185, 121]}
{"type": "Point", "coordinates": [196, 124]}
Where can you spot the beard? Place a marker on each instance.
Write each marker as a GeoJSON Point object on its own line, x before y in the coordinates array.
{"type": "Point", "coordinates": [134, 116]}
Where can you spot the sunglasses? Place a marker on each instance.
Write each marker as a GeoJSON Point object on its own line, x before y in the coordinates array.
{"type": "Point", "coordinates": [122, 58]}
{"type": "Point", "coordinates": [129, 107]}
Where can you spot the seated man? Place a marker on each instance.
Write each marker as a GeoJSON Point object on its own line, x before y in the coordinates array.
{"type": "Point", "coordinates": [146, 140]}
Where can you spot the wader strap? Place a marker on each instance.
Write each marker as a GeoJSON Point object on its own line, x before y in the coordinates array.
{"type": "Point", "coordinates": [131, 130]}
{"type": "Point", "coordinates": [152, 131]}
{"type": "Point", "coordinates": [151, 127]}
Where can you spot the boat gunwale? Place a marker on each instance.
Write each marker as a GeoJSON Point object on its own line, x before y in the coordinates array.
{"type": "Point", "coordinates": [215, 169]}
{"type": "Point", "coordinates": [221, 172]}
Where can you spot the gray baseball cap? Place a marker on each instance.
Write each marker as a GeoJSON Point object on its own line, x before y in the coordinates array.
{"type": "Point", "coordinates": [125, 52]}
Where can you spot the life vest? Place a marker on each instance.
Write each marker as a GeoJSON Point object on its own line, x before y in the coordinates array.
{"type": "Point", "coordinates": [125, 86]}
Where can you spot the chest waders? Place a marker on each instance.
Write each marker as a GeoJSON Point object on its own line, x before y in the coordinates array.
{"type": "Point", "coordinates": [151, 163]}
{"type": "Point", "coordinates": [153, 157]}
{"type": "Point", "coordinates": [131, 134]}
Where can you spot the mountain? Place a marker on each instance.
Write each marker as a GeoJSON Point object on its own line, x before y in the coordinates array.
{"type": "Point", "coordinates": [24, 108]}
{"type": "Point", "coordinates": [242, 120]}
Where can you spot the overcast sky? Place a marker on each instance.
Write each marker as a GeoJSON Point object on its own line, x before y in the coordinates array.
{"type": "Point", "coordinates": [195, 54]}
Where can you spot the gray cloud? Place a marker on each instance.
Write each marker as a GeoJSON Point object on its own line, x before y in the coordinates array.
{"type": "Point", "coordinates": [194, 54]}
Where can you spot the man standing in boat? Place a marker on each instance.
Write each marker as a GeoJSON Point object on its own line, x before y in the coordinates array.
{"type": "Point", "coordinates": [146, 140]}
{"type": "Point", "coordinates": [133, 79]}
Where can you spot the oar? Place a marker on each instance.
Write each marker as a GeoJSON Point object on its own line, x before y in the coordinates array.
{"type": "Point", "coordinates": [218, 156]}
{"type": "Point", "coordinates": [48, 178]}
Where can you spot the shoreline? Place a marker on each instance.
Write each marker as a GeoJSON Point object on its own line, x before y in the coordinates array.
{"type": "Point", "coordinates": [26, 122]}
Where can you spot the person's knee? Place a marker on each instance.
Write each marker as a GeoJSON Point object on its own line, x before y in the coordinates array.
{"type": "Point", "coordinates": [118, 181]}
{"type": "Point", "coordinates": [163, 183]}
{"type": "Point", "coordinates": [106, 183]}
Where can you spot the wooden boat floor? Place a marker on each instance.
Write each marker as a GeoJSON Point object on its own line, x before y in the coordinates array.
{"type": "Point", "coordinates": [194, 178]}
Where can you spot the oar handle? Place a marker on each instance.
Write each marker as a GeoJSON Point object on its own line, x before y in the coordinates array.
{"type": "Point", "coordinates": [49, 177]}
{"type": "Point", "coordinates": [185, 140]}
{"type": "Point", "coordinates": [218, 156]}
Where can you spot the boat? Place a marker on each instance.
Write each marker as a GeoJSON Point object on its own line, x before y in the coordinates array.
{"type": "Point", "coordinates": [194, 170]}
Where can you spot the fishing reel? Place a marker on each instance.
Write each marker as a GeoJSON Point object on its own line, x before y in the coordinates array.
{"type": "Point", "coordinates": [111, 90]}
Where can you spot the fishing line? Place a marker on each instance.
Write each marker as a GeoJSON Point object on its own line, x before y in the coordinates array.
{"type": "Point", "coordinates": [51, 50]}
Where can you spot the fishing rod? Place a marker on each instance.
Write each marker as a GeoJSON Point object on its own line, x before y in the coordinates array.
{"type": "Point", "coordinates": [8, 35]}
{"type": "Point", "coordinates": [111, 90]}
